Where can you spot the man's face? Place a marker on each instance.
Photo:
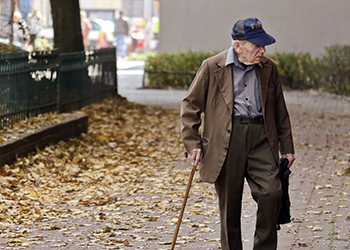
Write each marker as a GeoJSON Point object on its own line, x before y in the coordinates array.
{"type": "Point", "coordinates": [249, 53]}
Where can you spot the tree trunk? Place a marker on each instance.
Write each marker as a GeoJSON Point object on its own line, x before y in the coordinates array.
{"type": "Point", "coordinates": [11, 10]}
{"type": "Point", "coordinates": [66, 25]}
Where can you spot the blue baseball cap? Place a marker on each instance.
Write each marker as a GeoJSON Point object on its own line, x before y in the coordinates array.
{"type": "Point", "coordinates": [251, 29]}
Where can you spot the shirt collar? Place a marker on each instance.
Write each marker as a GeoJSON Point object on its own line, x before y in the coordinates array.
{"type": "Point", "coordinates": [230, 56]}
{"type": "Point", "coordinates": [233, 59]}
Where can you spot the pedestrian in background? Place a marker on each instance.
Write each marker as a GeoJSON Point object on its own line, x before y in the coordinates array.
{"type": "Point", "coordinates": [34, 25]}
{"type": "Point", "coordinates": [121, 30]}
{"type": "Point", "coordinates": [246, 124]}
{"type": "Point", "coordinates": [20, 29]}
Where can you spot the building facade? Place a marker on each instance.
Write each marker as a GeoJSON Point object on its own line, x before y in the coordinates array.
{"type": "Point", "coordinates": [297, 25]}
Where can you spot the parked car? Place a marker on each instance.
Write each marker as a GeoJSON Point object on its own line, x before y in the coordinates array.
{"type": "Point", "coordinates": [17, 44]}
{"type": "Point", "coordinates": [99, 28]}
{"type": "Point", "coordinates": [47, 33]}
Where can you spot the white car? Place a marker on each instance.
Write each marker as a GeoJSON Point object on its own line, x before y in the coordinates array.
{"type": "Point", "coordinates": [6, 41]}
{"type": "Point", "coordinates": [98, 26]}
{"type": "Point", "coordinates": [47, 33]}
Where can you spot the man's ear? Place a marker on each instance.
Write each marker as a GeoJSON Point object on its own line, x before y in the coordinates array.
{"type": "Point", "coordinates": [237, 46]}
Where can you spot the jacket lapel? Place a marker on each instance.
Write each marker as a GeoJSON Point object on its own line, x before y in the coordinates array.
{"type": "Point", "coordinates": [264, 76]}
{"type": "Point", "coordinates": [223, 78]}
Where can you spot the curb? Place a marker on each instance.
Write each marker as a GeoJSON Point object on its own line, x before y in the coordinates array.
{"type": "Point", "coordinates": [70, 128]}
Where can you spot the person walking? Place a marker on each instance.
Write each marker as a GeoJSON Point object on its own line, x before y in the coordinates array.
{"type": "Point", "coordinates": [121, 30]}
{"type": "Point", "coordinates": [34, 25]}
{"type": "Point", "coordinates": [246, 131]}
{"type": "Point", "coordinates": [20, 29]}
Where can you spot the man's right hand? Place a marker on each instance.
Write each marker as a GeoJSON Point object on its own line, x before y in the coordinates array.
{"type": "Point", "coordinates": [196, 155]}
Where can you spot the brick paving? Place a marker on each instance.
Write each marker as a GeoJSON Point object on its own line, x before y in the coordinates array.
{"type": "Point", "coordinates": [318, 190]}
{"type": "Point", "coordinates": [319, 193]}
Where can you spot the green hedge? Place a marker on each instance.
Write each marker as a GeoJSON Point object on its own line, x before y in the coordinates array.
{"type": "Point", "coordinates": [336, 65]}
{"type": "Point", "coordinates": [330, 72]}
{"type": "Point", "coordinates": [174, 69]}
{"type": "Point", "coordinates": [301, 67]}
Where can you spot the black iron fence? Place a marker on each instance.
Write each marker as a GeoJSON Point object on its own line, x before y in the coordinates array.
{"type": "Point", "coordinates": [85, 78]}
{"type": "Point", "coordinates": [40, 82]}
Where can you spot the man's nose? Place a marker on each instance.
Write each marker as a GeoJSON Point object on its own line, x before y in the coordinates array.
{"type": "Point", "coordinates": [262, 49]}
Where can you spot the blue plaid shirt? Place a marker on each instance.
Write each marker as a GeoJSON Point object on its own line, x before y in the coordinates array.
{"type": "Point", "coordinates": [245, 86]}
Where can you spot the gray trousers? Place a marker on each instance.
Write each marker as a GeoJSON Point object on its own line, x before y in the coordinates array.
{"type": "Point", "coordinates": [249, 156]}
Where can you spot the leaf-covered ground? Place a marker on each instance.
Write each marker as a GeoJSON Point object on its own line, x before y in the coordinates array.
{"type": "Point", "coordinates": [97, 176]}
{"type": "Point", "coordinates": [121, 185]}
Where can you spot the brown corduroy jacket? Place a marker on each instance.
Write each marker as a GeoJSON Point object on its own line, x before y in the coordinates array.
{"type": "Point", "coordinates": [211, 93]}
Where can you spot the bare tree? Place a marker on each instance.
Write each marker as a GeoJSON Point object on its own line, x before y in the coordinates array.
{"type": "Point", "coordinates": [11, 11]}
{"type": "Point", "coordinates": [66, 25]}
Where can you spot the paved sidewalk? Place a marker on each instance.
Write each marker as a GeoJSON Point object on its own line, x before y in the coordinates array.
{"type": "Point", "coordinates": [130, 76]}
{"type": "Point", "coordinates": [318, 190]}
{"type": "Point", "coordinates": [144, 217]}
{"type": "Point", "coordinates": [319, 193]}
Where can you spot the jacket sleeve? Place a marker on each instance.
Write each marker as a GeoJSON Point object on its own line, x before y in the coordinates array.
{"type": "Point", "coordinates": [283, 125]}
{"type": "Point", "coordinates": [192, 107]}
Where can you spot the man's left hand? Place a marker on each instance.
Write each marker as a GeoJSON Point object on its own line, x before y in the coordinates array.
{"type": "Point", "coordinates": [290, 157]}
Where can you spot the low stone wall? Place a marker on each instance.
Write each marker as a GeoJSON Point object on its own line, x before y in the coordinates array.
{"type": "Point", "coordinates": [73, 127]}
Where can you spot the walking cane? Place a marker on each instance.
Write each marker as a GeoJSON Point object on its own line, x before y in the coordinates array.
{"type": "Point", "coordinates": [183, 205]}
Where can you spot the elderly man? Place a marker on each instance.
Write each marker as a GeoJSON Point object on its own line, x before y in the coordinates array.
{"type": "Point", "coordinates": [246, 125]}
